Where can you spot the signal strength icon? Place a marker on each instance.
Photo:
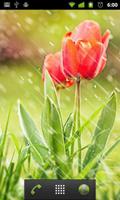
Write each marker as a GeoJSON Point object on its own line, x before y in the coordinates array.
{"type": "Point", "coordinates": [72, 4]}
{"type": "Point", "coordinates": [81, 5]}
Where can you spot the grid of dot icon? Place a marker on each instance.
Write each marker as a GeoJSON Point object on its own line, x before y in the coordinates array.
{"type": "Point", "coordinates": [59, 189]}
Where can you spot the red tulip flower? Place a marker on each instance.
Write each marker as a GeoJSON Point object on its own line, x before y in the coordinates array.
{"type": "Point", "coordinates": [52, 63]}
{"type": "Point", "coordinates": [84, 51]}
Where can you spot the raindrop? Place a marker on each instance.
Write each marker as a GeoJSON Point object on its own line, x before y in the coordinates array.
{"type": "Point", "coordinates": [109, 78]}
{"type": "Point", "coordinates": [18, 24]}
{"type": "Point", "coordinates": [72, 15]}
{"type": "Point", "coordinates": [30, 74]}
{"type": "Point", "coordinates": [41, 51]}
{"type": "Point", "coordinates": [111, 18]}
{"type": "Point", "coordinates": [30, 81]}
{"type": "Point", "coordinates": [21, 181]}
{"type": "Point", "coordinates": [52, 44]}
{"type": "Point", "coordinates": [28, 20]}
{"type": "Point", "coordinates": [111, 36]}
{"type": "Point", "coordinates": [2, 88]}
{"type": "Point", "coordinates": [95, 12]}
{"type": "Point", "coordinates": [112, 23]}
{"type": "Point", "coordinates": [22, 78]}
{"type": "Point", "coordinates": [7, 162]}
{"type": "Point", "coordinates": [21, 82]}
{"type": "Point", "coordinates": [49, 12]}
{"type": "Point", "coordinates": [117, 89]}
{"type": "Point", "coordinates": [67, 28]}
{"type": "Point", "coordinates": [96, 96]}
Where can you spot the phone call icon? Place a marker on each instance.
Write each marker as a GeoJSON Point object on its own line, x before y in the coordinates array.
{"type": "Point", "coordinates": [35, 189]}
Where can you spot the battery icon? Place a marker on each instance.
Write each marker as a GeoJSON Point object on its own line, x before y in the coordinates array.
{"type": "Point", "coordinates": [90, 4]}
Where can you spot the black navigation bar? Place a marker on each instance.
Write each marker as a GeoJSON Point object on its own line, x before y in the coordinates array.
{"type": "Point", "coordinates": [59, 4]}
{"type": "Point", "coordinates": [59, 189]}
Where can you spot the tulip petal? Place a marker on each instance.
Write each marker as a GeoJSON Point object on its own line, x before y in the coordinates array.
{"type": "Point", "coordinates": [52, 63]}
{"type": "Point", "coordinates": [70, 61]}
{"type": "Point", "coordinates": [101, 66]}
{"type": "Point", "coordinates": [105, 38]}
{"type": "Point", "coordinates": [92, 61]}
{"type": "Point", "coordinates": [83, 48]}
{"type": "Point", "coordinates": [88, 30]}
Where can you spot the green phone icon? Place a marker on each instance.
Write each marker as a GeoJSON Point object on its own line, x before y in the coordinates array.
{"type": "Point", "coordinates": [36, 187]}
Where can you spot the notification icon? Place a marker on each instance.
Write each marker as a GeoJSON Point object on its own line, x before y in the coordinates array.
{"type": "Point", "coordinates": [25, 4]}
{"type": "Point", "coordinates": [16, 4]}
{"type": "Point", "coordinates": [6, 4]}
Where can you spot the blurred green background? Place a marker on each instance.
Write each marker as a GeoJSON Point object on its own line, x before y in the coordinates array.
{"type": "Point", "coordinates": [25, 38]}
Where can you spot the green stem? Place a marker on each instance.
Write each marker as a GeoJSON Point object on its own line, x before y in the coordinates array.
{"type": "Point", "coordinates": [74, 125]}
{"type": "Point", "coordinates": [78, 122]}
{"type": "Point", "coordinates": [29, 159]}
{"type": "Point", "coordinates": [76, 146]}
{"type": "Point", "coordinates": [58, 96]}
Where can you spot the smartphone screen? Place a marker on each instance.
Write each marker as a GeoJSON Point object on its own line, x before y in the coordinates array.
{"type": "Point", "coordinates": [59, 100]}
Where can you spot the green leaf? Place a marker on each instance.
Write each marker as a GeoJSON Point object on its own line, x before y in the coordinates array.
{"type": "Point", "coordinates": [88, 121]}
{"type": "Point", "coordinates": [4, 137]}
{"type": "Point", "coordinates": [102, 131]}
{"type": "Point", "coordinates": [32, 134]}
{"type": "Point", "coordinates": [96, 162]}
{"type": "Point", "coordinates": [84, 173]}
{"type": "Point", "coordinates": [23, 154]}
{"type": "Point", "coordinates": [72, 139]}
{"type": "Point", "coordinates": [76, 152]}
{"type": "Point", "coordinates": [15, 141]}
{"type": "Point", "coordinates": [46, 123]}
{"type": "Point", "coordinates": [68, 127]}
{"type": "Point", "coordinates": [111, 148]}
{"type": "Point", "coordinates": [8, 181]}
{"type": "Point", "coordinates": [53, 131]}
{"type": "Point", "coordinates": [49, 91]}
{"type": "Point", "coordinates": [49, 88]}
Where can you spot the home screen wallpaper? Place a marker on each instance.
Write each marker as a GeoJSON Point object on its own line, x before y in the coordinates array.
{"type": "Point", "coordinates": [59, 99]}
